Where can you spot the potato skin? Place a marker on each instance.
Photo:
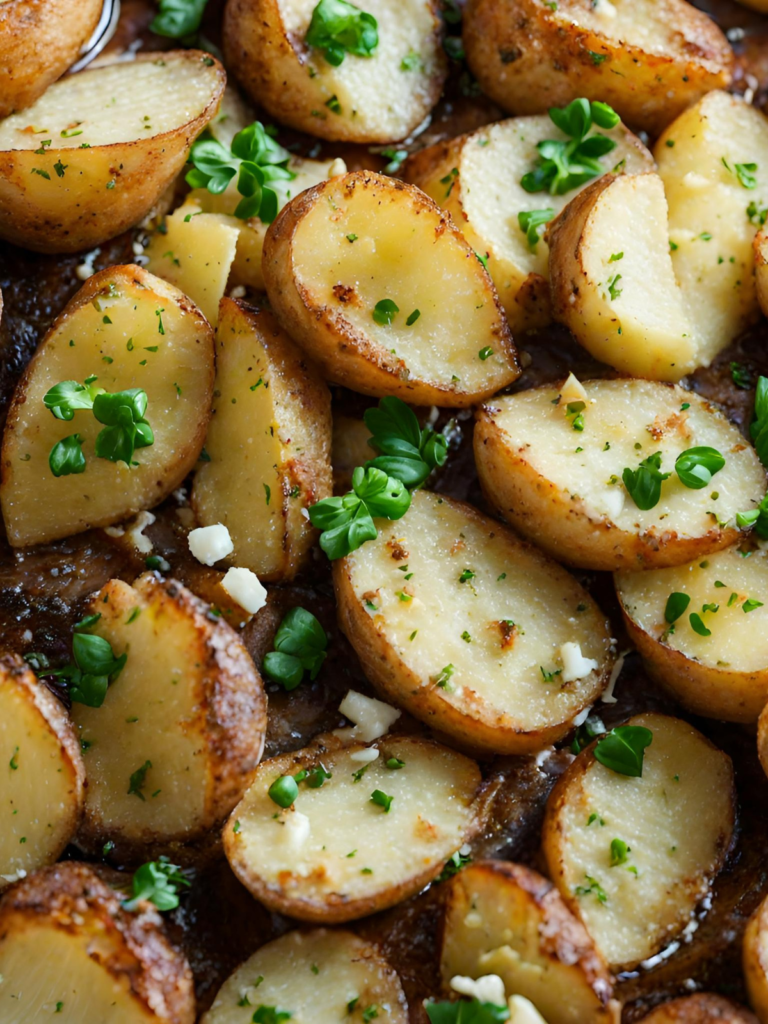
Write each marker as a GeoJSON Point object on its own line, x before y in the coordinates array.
{"type": "Point", "coordinates": [132, 946]}
{"type": "Point", "coordinates": [701, 1008]}
{"type": "Point", "coordinates": [39, 40]}
{"type": "Point", "coordinates": [527, 59]}
{"type": "Point", "coordinates": [754, 961]}
{"type": "Point", "coordinates": [762, 739]}
{"type": "Point", "coordinates": [84, 213]}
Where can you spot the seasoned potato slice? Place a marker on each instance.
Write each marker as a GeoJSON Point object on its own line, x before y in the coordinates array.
{"type": "Point", "coordinates": [69, 949]}
{"type": "Point", "coordinates": [43, 780]}
{"type": "Point", "coordinates": [762, 739]}
{"type": "Point", "coordinates": [724, 673]}
{"type": "Point", "coordinates": [336, 254]}
{"type": "Point", "coordinates": [40, 40]}
{"type": "Point", "coordinates": [269, 444]}
{"type": "Point", "coordinates": [470, 629]}
{"type": "Point", "coordinates": [92, 156]}
{"type": "Point", "coordinates": [613, 284]}
{"type": "Point", "coordinates": [313, 975]}
{"type": "Point", "coordinates": [649, 59]}
{"type": "Point", "coordinates": [676, 821]}
{"type": "Point", "coordinates": [130, 330]}
{"type": "Point", "coordinates": [379, 98]}
{"type": "Point", "coordinates": [337, 854]}
{"type": "Point", "coordinates": [181, 730]}
{"type": "Point", "coordinates": [761, 268]}
{"type": "Point", "coordinates": [563, 487]}
{"type": "Point", "coordinates": [715, 193]}
{"type": "Point", "coordinates": [701, 1008]}
{"type": "Point", "coordinates": [476, 178]}
{"type": "Point", "coordinates": [755, 960]}
{"type": "Point", "coordinates": [507, 920]}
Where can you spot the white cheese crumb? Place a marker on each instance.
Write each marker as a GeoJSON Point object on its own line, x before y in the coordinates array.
{"type": "Point", "coordinates": [244, 586]}
{"type": "Point", "coordinates": [209, 544]}
{"type": "Point", "coordinates": [488, 989]}
{"type": "Point", "coordinates": [573, 390]}
{"type": "Point", "coordinates": [575, 665]}
{"type": "Point", "coordinates": [135, 532]}
{"type": "Point", "coordinates": [522, 1011]}
{"type": "Point", "coordinates": [604, 8]}
{"type": "Point", "coordinates": [86, 269]}
{"type": "Point", "coordinates": [581, 718]}
{"type": "Point", "coordinates": [296, 830]}
{"type": "Point", "coordinates": [610, 502]}
{"type": "Point", "coordinates": [544, 755]}
{"type": "Point", "coordinates": [372, 718]}
{"type": "Point", "coordinates": [607, 695]}
{"type": "Point", "coordinates": [337, 168]}
{"type": "Point", "coordinates": [365, 756]}
{"type": "Point", "coordinates": [238, 292]}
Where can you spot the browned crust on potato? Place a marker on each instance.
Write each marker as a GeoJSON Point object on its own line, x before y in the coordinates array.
{"type": "Point", "coordinates": [701, 1008]}
{"type": "Point", "coordinates": [754, 959]}
{"type": "Point", "coordinates": [762, 742]}
{"type": "Point", "coordinates": [527, 60]}
{"type": "Point", "coordinates": [132, 946]}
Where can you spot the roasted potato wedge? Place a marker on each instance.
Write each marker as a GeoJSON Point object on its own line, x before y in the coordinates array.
{"type": "Point", "coordinates": [181, 730]}
{"type": "Point", "coordinates": [39, 41]}
{"type": "Point", "coordinates": [713, 161]}
{"type": "Point", "coordinates": [92, 156]}
{"type": "Point", "coordinates": [563, 487]}
{"type": "Point", "coordinates": [129, 329]}
{"type": "Point", "coordinates": [374, 312]}
{"type": "Point", "coordinates": [723, 671]}
{"type": "Point", "coordinates": [701, 1008]}
{"type": "Point", "coordinates": [472, 630]}
{"type": "Point", "coordinates": [315, 976]}
{"type": "Point", "coordinates": [633, 856]}
{"type": "Point", "coordinates": [42, 785]}
{"type": "Point", "coordinates": [762, 738]}
{"type": "Point", "coordinates": [613, 284]}
{"type": "Point", "coordinates": [761, 268]}
{"type": "Point", "coordinates": [476, 178]}
{"type": "Point", "coordinates": [755, 961]}
{"type": "Point", "coordinates": [339, 852]}
{"type": "Point", "coordinates": [505, 919]}
{"type": "Point", "coordinates": [649, 59]}
{"type": "Point", "coordinates": [269, 444]}
{"type": "Point", "coordinates": [68, 948]}
{"type": "Point", "coordinates": [379, 98]}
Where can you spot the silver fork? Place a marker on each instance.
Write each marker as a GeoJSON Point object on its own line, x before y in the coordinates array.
{"type": "Point", "coordinates": [105, 29]}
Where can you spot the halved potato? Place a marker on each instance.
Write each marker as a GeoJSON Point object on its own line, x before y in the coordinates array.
{"type": "Point", "coordinates": [701, 1008]}
{"type": "Point", "coordinates": [476, 178]}
{"type": "Point", "coordinates": [42, 779]}
{"type": "Point", "coordinates": [337, 854]}
{"type": "Point", "coordinates": [507, 920]}
{"type": "Point", "coordinates": [129, 329]}
{"type": "Point", "coordinates": [472, 630]}
{"type": "Point", "coordinates": [723, 674]}
{"type": "Point", "coordinates": [344, 247]}
{"type": "Point", "coordinates": [755, 961]}
{"type": "Point", "coordinates": [713, 161]}
{"type": "Point", "coordinates": [634, 856]}
{"type": "Point", "coordinates": [92, 156]}
{"type": "Point", "coordinates": [181, 730]}
{"type": "Point", "coordinates": [39, 41]}
{"type": "Point", "coordinates": [563, 487]}
{"type": "Point", "coordinates": [761, 268]}
{"type": "Point", "coordinates": [613, 284]}
{"type": "Point", "coordinates": [69, 951]}
{"type": "Point", "coordinates": [314, 976]}
{"type": "Point", "coordinates": [268, 444]}
{"type": "Point", "coordinates": [379, 98]}
{"type": "Point", "coordinates": [762, 738]}
{"type": "Point", "coordinates": [649, 59]}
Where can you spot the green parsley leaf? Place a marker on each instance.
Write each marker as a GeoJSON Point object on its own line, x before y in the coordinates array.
{"type": "Point", "coordinates": [619, 852]}
{"type": "Point", "coordinates": [406, 451]}
{"type": "Point", "coordinates": [696, 466]}
{"type": "Point", "coordinates": [677, 603]}
{"type": "Point", "coordinates": [465, 1012]}
{"type": "Point", "coordinates": [299, 646]}
{"type": "Point", "coordinates": [338, 28]}
{"type": "Point", "coordinates": [746, 173]}
{"type": "Point", "coordinates": [750, 604]}
{"type": "Point", "coordinates": [157, 881]}
{"type": "Point", "coordinates": [757, 215]}
{"type": "Point", "coordinates": [532, 223]}
{"type": "Point", "coordinates": [66, 457]}
{"type": "Point", "coordinates": [453, 865]}
{"type": "Point", "coordinates": [381, 799]}
{"type": "Point", "coordinates": [622, 750]}
{"type": "Point", "coordinates": [697, 624]}
{"type": "Point", "coordinates": [384, 312]}
{"type": "Point", "coordinates": [594, 888]}
{"type": "Point", "coordinates": [94, 667]}
{"type": "Point", "coordinates": [270, 1015]}
{"type": "Point", "coordinates": [644, 483]}
{"type": "Point", "coordinates": [178, 19]}
{"type": "Point", "coordinates": [138, 780]}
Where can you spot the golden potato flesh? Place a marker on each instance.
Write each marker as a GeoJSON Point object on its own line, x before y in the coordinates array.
{"type": "Point", "coordinates": [92, 156]}
{"type": "Point", "coordinates": [268, 444]}
{"type": "Point", "coordinates": [723, 673]}
{"type": "Point", "coordinates": [507, 920]}
{"type": "Point", "coordinates": [563, 487]}
{"type": "Point", "coordinates": [618, 846]}
{"type": "Point", "coordinates": [755, 961]}
{"type": "Point", "coordinates": [648, 59]}
{"type": "Point", "coordinates": [701, 1008]}
{"type": "Point", "coordinates": [42, 779]}
{"type": "Point", "coordinates": [69, 952]}
{"type": "Point", "coordinates": [476, 178]}
{"type": "Point", "coordinates": [465, 626]}
{"type": "Point", "coordinates": [339, 852]}
{"type": "Point", "coordinates": [314, 975]}
{"type": "Point", "coordinates": [129, 329]}
{"type": "Point", "coordinates": [181, 730]}
{"type": "Point", "coordinates": [342, 249]}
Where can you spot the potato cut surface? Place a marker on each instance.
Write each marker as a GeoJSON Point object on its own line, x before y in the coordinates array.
{"type": "Point", "coordinates": [181, 729]}
{"type": "Point", "coordinates": [507, 920]}
{"type": "Point", "coordinates": [723, 674]}
{"type": "Point", "coordinates": [42, 779]}
{"type": "Point", "coordinates": [346, 246]}
{"type": "Point", "coordinates": [269, 444]}
{"type": "Point", "coordinates": [676, 820]}
{"type": "Point", "coordinates": [484, 197]}
{"type": "Point", "coordinates": [313, 975]}
{"type": "Point", "coordinates": [464, 625]}
{"type": "Point", "coordinates": [129, 329]}
{"type": "Point", "coordinates": [564, 488]}
{"type": "Point", "coordinates": [336, 855]}
{"type": "Point", "coordinates": [613, 283]}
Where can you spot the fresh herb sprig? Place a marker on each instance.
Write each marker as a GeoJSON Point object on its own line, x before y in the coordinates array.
{"type": "Point", "coordinates": [157, 881]}
{"type": "Point", "coordinates": [93, 668]}
{"type": "Point", "coordinates": [644, 483]}
{"type": "Point", "coordinates": [532, 224]}
{"type": "Point", "coordinates": [178, 19]}
{"type": "Point", "coordinates": [406, 451]}
{"type": "Point", "coordinates": [300, 646]}
{"type": "Point", "coordinates": [623, 749]}
{"type": "Point", "coordinates": [759, 427]}
{"type": "Point", "coordinates": [338, 28]}
{"type": "Point", "coordinates": [347, 522]}
{"type": "Point", "coordinates": [466, 1012]}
